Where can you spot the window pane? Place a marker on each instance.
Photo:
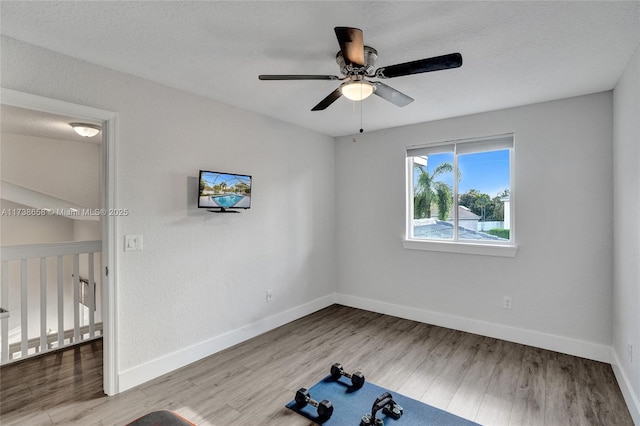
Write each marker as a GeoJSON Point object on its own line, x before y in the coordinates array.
{"type": "Point", "coordinates": [433, 196]}
{"type": "Point", "coordinates": [483, 195]}
{"type": "Point", "coordinates": [479, 209]}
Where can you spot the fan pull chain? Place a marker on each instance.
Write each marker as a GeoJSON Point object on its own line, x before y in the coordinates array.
{"type": "Point", "coordinates": [361, 107]}
{"type": "Point", "coordinates": [353, 111]}
{"type": "Point", "coordinates": [353, 114]}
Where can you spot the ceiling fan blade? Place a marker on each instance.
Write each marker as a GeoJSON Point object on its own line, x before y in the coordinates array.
{"type": "Point", "coordinates": [392, 95]}
{"type": "Point", "coordinates": [333, 96]}
{"type": "Point", "coordinates": [351, 44]}
{"type": "Point", "coordinates": [453, 60]}
{"type": "Point", "coordinates": [298, 77]}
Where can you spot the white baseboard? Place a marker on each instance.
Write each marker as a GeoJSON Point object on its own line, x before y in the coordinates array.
{"type": "Point", "coordinates": [518, 335]}
{"type": "Point", "coordinates": [165, 364]}
{"type": "Point", "coordinates": [630, 397]}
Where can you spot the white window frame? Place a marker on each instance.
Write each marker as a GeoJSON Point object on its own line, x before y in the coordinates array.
{"type": "Point", "coordinates": [458, 147]}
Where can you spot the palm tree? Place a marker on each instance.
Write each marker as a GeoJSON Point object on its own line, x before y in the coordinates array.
{"type": "Point", "coordinates": [427, 187]}
{"type": "Point", "coordinates": [443, 200]}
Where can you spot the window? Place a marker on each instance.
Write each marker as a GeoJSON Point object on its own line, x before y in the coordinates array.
{"type": "Point", "coordinates": [472, 210]}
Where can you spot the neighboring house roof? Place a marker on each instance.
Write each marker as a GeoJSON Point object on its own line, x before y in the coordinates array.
{"type": "Point", "coordinates": [466, 213]}
{"type": "Point", "coordinates": [463, 213]}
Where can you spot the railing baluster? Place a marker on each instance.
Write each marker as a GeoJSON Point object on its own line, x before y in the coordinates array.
{"type": "Point", "coordinates": [76, 298]}
{"type": "Point", "coordinates": [4, 323]}
{"type": "Point", "coordinates": [24, 308]}
{"type": "Point", "coordinates": [60, 302]}
{"type": "Point", "coordinates": [92, 295]}
{"type": "Point", "coordinates": [43, 304]}
{"type": "Point", "coordinates": [25, 282]}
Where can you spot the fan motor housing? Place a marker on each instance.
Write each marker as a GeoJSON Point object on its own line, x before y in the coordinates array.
{"type": "Point", "coordinates": [370, 58]}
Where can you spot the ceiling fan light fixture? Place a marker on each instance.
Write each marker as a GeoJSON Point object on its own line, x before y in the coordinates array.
{"type": "Point", "coordinates": [86, 130]}
{"type": "Point", "coordinates": [357, 90]}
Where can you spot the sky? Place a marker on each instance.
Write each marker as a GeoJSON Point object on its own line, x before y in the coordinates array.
{"type": "Point", "coordinates": [212, 178]}
{"type": "Point", "coordinates": [487, 172]}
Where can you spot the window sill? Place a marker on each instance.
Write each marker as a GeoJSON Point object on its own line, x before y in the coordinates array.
{"type": "Point", "coordinates": [462, 248]}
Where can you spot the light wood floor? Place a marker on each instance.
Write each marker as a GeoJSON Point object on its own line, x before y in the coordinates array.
{"type": "Point", "coordinates": [490, 381]}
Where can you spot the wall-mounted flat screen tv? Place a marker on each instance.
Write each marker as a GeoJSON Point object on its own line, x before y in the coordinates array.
{"type": "Point", "coordinates": [220, 192]}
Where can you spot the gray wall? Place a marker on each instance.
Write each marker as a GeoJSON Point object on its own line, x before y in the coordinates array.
{"type": "Point", "coordinates": [200, 276]}
{"type": "Point", "coordinates": [626, 189]}
{"type": "Point", "coordinates": [561, 278]}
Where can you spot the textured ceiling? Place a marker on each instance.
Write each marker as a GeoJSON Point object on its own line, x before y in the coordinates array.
{"type": "Point", "coordinates": [514, 53]}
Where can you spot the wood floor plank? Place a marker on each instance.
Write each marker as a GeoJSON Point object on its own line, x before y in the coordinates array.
{"type": "Point", "coordinates": [606, 381]}
{"type": "Point", "coordinates": [423, 376]}
{"type": "Point", "coordinates": [561, 405]}
{"type": "Point", "coordinates": [444, 387]}
{"type": "Point", "coordinates": [250, 383]}
{"type": "Point", "coordinates": [469, 395]}
{"type": "Point", "coordinates": [528, 404]}
{"type": "Point", "coordinates": [119, 409]}
{"type": "Point", "coordinates": [26, 416]}
{"type": "Point", "coordinates": [594, 407]}
{"type": "Point", "coordinates": [24, 386]}
{"type": "Point", "coordinates": [498, 400]}
{"type": "Point", "coordinates": [408, 357]}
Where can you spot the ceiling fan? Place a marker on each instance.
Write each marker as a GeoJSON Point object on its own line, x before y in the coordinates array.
{"type": "Point", "coordinates": [356, 62]}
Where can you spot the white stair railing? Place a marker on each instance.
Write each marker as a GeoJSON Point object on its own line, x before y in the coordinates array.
{"type": "Point", "coordinates": [49, 285]}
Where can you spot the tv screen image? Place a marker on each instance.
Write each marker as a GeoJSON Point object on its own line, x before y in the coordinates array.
{"type": "Point", "coordinates": [224, 191]}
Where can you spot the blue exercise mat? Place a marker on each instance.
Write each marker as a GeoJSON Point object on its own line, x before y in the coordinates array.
{"type": "Point", "coordinates": [349, 405]}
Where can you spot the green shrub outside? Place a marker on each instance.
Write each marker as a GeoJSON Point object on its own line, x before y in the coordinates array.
{"type": "Point", "coordinates": [502, 233]}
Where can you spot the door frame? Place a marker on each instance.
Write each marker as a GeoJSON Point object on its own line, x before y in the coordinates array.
{"type": "Point", "coordinates": [108, 198]}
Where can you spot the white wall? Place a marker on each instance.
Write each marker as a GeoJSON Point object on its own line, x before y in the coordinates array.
{"type": "Point", "coordinates": [200, 275]}
{"type": "Point", "coordinates": [561, 278]}
{"type": "Point", "coordinates": [21, 230]}
{"type": "Point", "coordinates": [626, 180]}
{"type": "Point", "coordinates": [86, 230]}
{"type": "Point", "coordinates": [63, 169]}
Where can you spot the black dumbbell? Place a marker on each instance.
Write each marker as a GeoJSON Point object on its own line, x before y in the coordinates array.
{"type": "Point", "coordinates": [325, 409]}
{"type": "Point", "coordinates": [357, 378]}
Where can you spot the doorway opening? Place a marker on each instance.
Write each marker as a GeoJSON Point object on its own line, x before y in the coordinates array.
{"type": "Point", "coordinates": [91, 268]}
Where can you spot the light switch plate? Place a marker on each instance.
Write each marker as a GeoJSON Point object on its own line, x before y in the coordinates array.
{"type": "Point", "coordinates": [132, 242]}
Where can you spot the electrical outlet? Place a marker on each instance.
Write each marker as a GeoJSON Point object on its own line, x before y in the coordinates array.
{"type": "Point", "coordinates": [269, 296]}
{"type": "Point", "coordinates": [506, 302]}
{"type": "Point", "coordinates": [630, 351]}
